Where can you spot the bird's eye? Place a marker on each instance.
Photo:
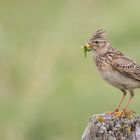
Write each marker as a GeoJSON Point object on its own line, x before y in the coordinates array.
{"type": "Point", "coordinates": [96, 42]}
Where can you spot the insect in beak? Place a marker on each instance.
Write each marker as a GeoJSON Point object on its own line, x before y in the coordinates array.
{"type": "Point", "coordinates": [86, 48]}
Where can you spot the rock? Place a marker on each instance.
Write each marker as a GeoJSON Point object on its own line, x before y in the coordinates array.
{"type": "Point", "coordinates": [108, 127]}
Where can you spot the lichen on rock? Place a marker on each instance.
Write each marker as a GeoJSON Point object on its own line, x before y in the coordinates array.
{"type": "Point", "coordinates": [108, 127]}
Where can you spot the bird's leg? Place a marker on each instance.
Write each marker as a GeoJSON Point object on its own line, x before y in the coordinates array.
{"type": "Point", "coordinates": [129, 100]}
{"type": "Point", "coordinates": [125, 112]}
{"type": "Point", "coordinates": [118, 106]}
{"type": "Point", "coordinates": [116, 111]}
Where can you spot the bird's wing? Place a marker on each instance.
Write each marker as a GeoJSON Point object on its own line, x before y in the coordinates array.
{"type": "Point", "coordinates": [127, 67]}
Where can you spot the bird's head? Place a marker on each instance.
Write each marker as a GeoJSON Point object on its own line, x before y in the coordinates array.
{"type": "Point", "coordinates": [98, 43]}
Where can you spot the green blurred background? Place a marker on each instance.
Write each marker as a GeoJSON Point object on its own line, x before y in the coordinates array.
{"type": "Point", "coordinates": [48, 90]}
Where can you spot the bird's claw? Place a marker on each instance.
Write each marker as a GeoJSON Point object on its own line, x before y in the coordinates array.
{"type": "Point", "coordinates": [121, 114]}
{"type": "Point", "coordinates": [113, 112]}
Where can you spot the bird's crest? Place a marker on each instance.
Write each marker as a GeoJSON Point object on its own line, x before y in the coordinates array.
{"type": "Point", "coordinates": [99, 34]}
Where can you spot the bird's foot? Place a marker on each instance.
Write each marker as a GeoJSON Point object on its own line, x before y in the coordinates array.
{"type": "Point", "coordinates": [113, 112]}
{"type": "Point", "coordinates": [121, 114]}
{"type": "Point", "coordinates": [125, 114]}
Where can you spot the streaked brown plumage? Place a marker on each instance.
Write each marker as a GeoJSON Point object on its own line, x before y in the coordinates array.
{"type": "Point", "coordinates": [113, 66]}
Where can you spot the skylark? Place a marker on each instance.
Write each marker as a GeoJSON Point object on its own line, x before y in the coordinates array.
{"type": "Point", "coordinates": [113, 66]}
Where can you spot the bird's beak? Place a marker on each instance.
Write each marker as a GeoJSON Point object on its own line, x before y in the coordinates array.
{"type": "Point", "coordinates": [87, 48]}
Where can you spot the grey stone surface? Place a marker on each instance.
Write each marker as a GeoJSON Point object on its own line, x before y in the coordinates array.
{"type": "Point", "coordinates": [108, 127]}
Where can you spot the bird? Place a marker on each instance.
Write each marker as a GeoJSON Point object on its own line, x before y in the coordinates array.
{"type": "Point", "coordinates": [114, 67]}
